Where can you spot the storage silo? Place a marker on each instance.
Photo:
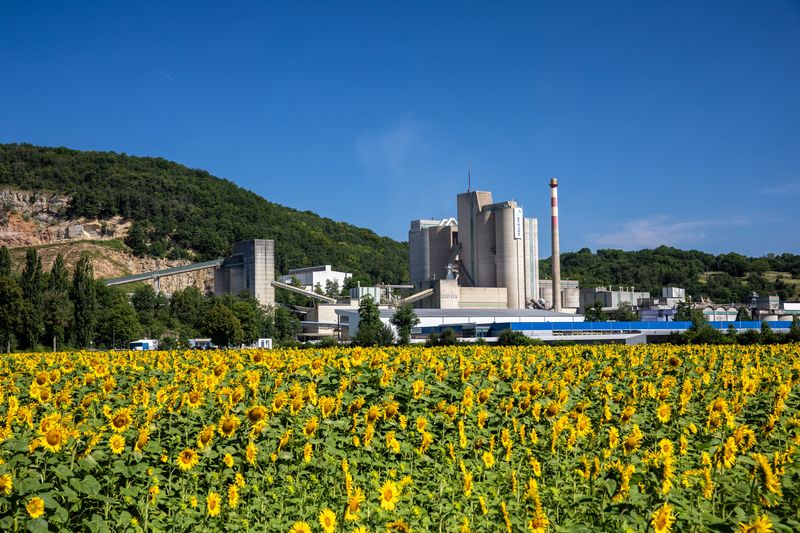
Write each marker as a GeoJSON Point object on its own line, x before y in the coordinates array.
{"type": "Point", "coordinates": [510, 253]}
{"type": "Point", "coordinates": [419, 251]}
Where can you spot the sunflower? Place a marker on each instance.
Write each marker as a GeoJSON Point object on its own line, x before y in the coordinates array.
{"type": "Point", "coordinates": [233, 496]}
{"type": "Point", "coordinates": [193, 399]}
{"type": "Point", "coordinates": [35, 507]}
{"type": "Point", "coordinates": [663, 519]}
{"type": "Point", "coordinates": [488, 459]}
{"type": "Point", "coordinates": [121, 420]}
{"type": "Point", "coordinates": [310, 427]}
{"type": "Point", "coordinates": [353, 503]}
{"type": "Point", "coordinates": [6, 484]}
{"type": "Point", "coordinates": [213, 504]}
{"type": "Point", "coordinates": [205, 436]}
{"type": "Point", "coordinates": [327, 520]}
{"type": "Point", "coordinates": [251, 452]}
{"type": "Point", "coordinates": [327, 405]}
{"type": "Point", "coordinates": [664, 412]}
{"type": "Point", "coordinates": [538, 524]}
{"type": "Point", "coordinates": [761, 525]}
{"type": "Point", "coordinates": [187, 459]}
{"type": "Point", "coordinates": [117, 444]}
{"type": "Point", "coordinates": [228, 424]}
{"type": "Point", "coordinates": [228, 460]}
{"type": "Point", "coordinates": [308, 451]}
{"type": "Point", "coordinates": [141, 440]}
{"type": "Point", "coordinates": [300, 527]}
{"type": "Point", "coordinates": [389, 495]}
{"type": "Point", "coordinates": [239, 480]}
{"type": "Point", "coordinates": [256, 413]}
{"type": "Point", "coordinates": [54, 438]}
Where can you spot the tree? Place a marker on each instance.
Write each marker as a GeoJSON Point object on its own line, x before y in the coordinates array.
{"type": "Point", "coordinates": [222, 326]}
{"type": "Point", "coordinates": [404, 319]}
{"type": "Point", "coordinates": [369, 323]}
{"type": "Point", "coordinates": [508, 337]}
{"type": "Point", "coordinates": [32, 285]}
{"type": "Point", "coordinates": [137, 239]}
{"type": "Point", "coordinates": [151, 309]}
{"type": "Point", "coordinates": [332, 289]}
{"type": "Point", "coordinates": [84, 298]}
{"type": "Point", "coordinates": [624, 313]}
{"type": "Point", "coordinates": [251, 316]}
{"type": "Point", "coordinates": [188, 306]}
{"type": "Point", "coordinates": [318, 289]}
{"type": "Point", "coordinates": [285, 325]}
{"type": "Point", "coordinates": [119, 322]}
{"type": "Point", "coordinates": [11, 303]}
{"type": "Point", "coordinates": [794, 330]}
{"type": "Point", "coordinates": [5, 262]}
{"type": "Point", "coordinates": [57, 314]}
{"type": "Point", "coordinates": [743, 314]}
{"type": "Point", "coordinates": [59, 277]}
{"type": "Point", "coordinates": [595, 312]}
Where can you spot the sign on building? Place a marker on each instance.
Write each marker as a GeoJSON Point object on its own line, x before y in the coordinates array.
{"type": "Point", "coordinates": [518, 222]}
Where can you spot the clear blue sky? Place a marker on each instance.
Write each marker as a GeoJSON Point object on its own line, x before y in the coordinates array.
{"type": "Point", "coordinates": [666, 122]}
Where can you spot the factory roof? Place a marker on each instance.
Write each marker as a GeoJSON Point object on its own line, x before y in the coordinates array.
{"type": "Point", "coordinates": [466, 313]}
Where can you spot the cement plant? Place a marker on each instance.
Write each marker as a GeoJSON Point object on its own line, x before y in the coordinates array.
{"type": "Point", "coordinates": [477, 274]}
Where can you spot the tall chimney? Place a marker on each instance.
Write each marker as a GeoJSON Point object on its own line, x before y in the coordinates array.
{"type": "Point", "coordinates": [556, 256]}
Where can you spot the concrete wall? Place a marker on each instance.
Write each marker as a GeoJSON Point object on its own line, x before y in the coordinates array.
{"type": "Point", "coordinates": [251, 268]}
{"type": "Point", "coordinates": [469, 204]}
{"type": "Point", "coordinates": [483, 297]}
{"type": "Point", "coordinates": [531, 244]}
{"type": "Point", "coordinates": [510, 257]}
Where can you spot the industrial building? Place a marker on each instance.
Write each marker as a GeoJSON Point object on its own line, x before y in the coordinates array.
{"type": "Point", "coordinates": [611, 299]}
{"type": "Point", "coordinates": [250, 268]}
{"type": "Point", "coordinates": [311, 277]}
{"type": "Point", "coordinates": [487, 257]}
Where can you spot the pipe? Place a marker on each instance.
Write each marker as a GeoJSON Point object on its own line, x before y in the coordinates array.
{"type": "Point", "coordinates": [556, 256]}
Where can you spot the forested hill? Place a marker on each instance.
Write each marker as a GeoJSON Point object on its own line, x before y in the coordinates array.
{"type": "Point", "coordinates": [179, 212]}
{"type": "Point", "coordinates": [724, 278]}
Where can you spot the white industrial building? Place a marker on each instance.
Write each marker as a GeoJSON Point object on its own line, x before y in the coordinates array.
{"type": "Point", "coordinates": [486, 258]}
{"type": "Point", "coordinates": [310, 277]}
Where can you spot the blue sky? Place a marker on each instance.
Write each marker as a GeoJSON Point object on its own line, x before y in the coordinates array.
{"type": "Point", "coordinates": [666, 122]}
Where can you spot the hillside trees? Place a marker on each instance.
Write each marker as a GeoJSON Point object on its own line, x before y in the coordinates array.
{"type": "Point", "coordinates": [83, 295]}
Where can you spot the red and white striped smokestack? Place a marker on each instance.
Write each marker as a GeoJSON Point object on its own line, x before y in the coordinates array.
{"type": "Point", "coordinates": [556, 256]}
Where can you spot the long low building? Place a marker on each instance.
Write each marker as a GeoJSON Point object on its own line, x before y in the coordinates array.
{"type": "Point", "coordinates": [480, 319]}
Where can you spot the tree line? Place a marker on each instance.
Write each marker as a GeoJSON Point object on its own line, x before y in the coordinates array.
{"type": "Point", "coordinates": [55, 310]}
{"type": "Point", "coordinates": [724, 278]}
{"type": "Point", "coordinates": [183, 213]}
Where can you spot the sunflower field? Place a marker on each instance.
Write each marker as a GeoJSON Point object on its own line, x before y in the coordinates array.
{"type": "Point", "coordinates": [471, 438]}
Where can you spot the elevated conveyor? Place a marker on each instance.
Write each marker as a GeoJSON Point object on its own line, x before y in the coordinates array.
{"type": "Point", "coordinates": [156, 274]}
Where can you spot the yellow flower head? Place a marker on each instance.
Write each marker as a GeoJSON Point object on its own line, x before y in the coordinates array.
{"type": "Point", "coordinates": [187, 459]}
{"type": "Point", "coordinates": [35, 507]}
{"type": "Point", "coordinates": [663, 519]}
{"type": "Point", "coordinates": [213, 504]}
{"type": "Point", "coordinates": [117, 444]}
{"type": "Point", "coordinates": [300, 527]}
{"type": "Point", "coordinates": [6, 484]}
{"type": "Point", "coordinates": [389, 495]}
{"type": "Point", "coordinates": [327, 520]}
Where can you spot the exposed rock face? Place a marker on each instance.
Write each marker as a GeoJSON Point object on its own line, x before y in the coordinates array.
{"type": "Point", "coordinates": [37, 219]}
{"type": "Point", "coordinates": [30, 218]}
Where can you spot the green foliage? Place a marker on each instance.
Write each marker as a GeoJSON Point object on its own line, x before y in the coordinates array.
{"type": "Point", "coordinates": [83, 295]}
{"type": "Point", "coordinates": [371, 331]}
{"type": "Point", "coordinates": [404, 319]}
{"type": "Point", "coordinates": [595, 313]}
{"type": "Point", "coordinates": [445, 338]}
{"type": "Point", "coordinates": [119, 321]}
{"type": "Point", "coordinates": [743, 314]}
{"type": "Point", "coordinates": [5, 262]}
{"type": "Point", "coordinates": [32, 284]}
{"type": "Point", "coordinates": [284, 326]}
{"type": "Point", "coordinates": [11, 304]}
{"type": "Point", "coordinates": [508, 337]}
{"type": "Point", "coordinates": [59, 277]}
{"type": "Point", "coordinates": [182, 212]}
{"type": "Point", "coordinates": [624, 313]}
{"type": "Point", "coordinates": [222, 326]}
{"type": "Point", "coordinates": [732, 277]}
